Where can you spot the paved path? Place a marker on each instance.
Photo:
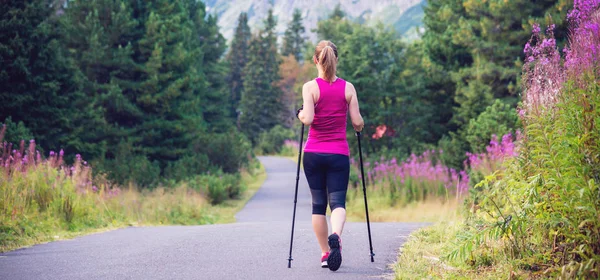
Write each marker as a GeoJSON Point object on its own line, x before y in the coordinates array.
{"type": "Point", "coordinates": [256, 247]}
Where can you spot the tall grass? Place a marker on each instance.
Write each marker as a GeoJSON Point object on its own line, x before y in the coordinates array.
{"type": "Point", "coordinates": [424, 177]}
{"type": "Point", "coordinates": [417, 178]}
{"type": "Point", "coordinates": [42, 197]}
{"type": "Point", "coordinates": [289, 148]}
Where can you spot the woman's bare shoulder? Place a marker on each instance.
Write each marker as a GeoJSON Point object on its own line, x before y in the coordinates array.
{"type": "Point", "coordinates": [350, 87]}
{"type": "Point", "coordinates": [350, 91]}
{"type": "Point", "coordinates": [310, 84]}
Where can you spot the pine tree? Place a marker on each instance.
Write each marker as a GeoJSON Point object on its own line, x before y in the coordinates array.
{"type": "Point", "coordinates": [261, 105]}
{"type": "Point", "coordinates": [438, 39]}
{"type": "Point", "coordinates": [39, 84]}
{"type": "Point", "coordinates": [335, 27]}
{"type": "Point", "coordinates": [102, 47]}
{"type": "Point", "coordinates": [426, 107]}
{"type": "Point", "coordinates": [214, 98]}
{"type": "Point", "coordinates": [237, 59]}
{"type": "Point", "coordinates": [337, 13]}
{"type": "Point", "coordinates": [256, 83]}
{"type": "Point", "coordinates": [273, 99]}
{"type": "Point", "coordinates": [294, 40]}
{"type": "Point", "coordinates": [168, 94]}
{"type": "Point", "coordinates": [269, 43]}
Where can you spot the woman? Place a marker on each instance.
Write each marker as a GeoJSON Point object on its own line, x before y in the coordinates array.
{"type": "Point", "coordinates": [327, 100]}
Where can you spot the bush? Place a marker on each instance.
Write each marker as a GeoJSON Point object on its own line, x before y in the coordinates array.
{"type": "Point", "coordinates": [128, 167]}
{"type": "Point", "coordinates": [497, 119]}
{"type": "Point", "coordinates": [219, 187]}
{"type": "Point", "coordinates": [233, 185]}
{"type": "Point", "coordinates": [454, 148]}
{"type": "Point", "coordinates": [271, 142]}
{"type": "Point", "coordinates": [228, 152]}
{"type": "Point", "coordinates": [188, 166]}
{"type": "Point", "coordinates": [15, 132]}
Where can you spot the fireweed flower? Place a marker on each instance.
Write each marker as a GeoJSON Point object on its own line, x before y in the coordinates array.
{"type": "Point", "coordinates": [422, 171]}
{"type": "Point", "coordinates": [536, 28]}
{"type": "Point", "coordinates": [542, 60]}
{"type": "Point", "coordinates": [582, 10]}
{"type": "Point", "coordinates": [291, 144]}
{"type": "Point", "coordinates": [544, 72]}
{"type": "Point", "coordinates": [13, 163]}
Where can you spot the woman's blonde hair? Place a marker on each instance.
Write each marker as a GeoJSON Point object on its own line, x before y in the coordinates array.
{"type": "Point", "coordinates": [326, 54]}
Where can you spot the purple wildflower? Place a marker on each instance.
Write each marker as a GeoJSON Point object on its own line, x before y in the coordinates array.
{"type": "Point", "coordinates": [536, 28]}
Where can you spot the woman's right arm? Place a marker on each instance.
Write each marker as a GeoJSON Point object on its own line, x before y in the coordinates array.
{"type": "Point", "coordinates": [357, 121]}
{"type": "Point", "coordinates": [307, 114]}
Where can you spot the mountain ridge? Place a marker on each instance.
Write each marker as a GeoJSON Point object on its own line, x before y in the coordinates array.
{"type": "Point", "coordinates": [403, 15]}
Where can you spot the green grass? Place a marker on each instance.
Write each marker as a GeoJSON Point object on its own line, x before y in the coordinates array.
{"type": "Point", "coordinates": [424, 256]}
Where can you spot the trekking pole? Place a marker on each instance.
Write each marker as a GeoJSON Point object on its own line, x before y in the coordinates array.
{"type": "Point", "coordinates": [362, 173]}
{"type": "Point", "coordinates": [296, 194]}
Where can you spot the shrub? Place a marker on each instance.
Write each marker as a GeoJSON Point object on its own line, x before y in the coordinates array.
{"type": "Point", "coordinates": [454, 147]}
{"type": "Point", "coordinates": [128, 167]}
{"type": "Point", "coordinates": [225, 151]}
{"type": "Point", "coordinates": [271, 142]}
{"type": "Point", "coordinates": [219, 187]}
{"type": "Point", "coordinates": [497, 119]}
{"type": "Point", "coordinates": [15, 132]}
{"type": "Point", "coordinates": [188, 166]}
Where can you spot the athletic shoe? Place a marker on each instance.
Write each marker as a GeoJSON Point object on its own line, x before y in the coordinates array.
{"type": "Point", "coordinates": [335, 252]}
{"type": "Point", "coordinates": [324, 260]}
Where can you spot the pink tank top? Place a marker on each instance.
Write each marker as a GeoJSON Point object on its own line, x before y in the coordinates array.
{"type": "Point", "coordinates": [327, 134]}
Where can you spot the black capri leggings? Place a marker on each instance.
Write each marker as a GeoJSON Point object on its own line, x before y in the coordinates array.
{"type": "Point", "coordinates": [327, 176]}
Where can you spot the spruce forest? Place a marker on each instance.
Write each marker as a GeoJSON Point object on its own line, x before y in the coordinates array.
{"type": "Point", "coordinates": [149, 91]}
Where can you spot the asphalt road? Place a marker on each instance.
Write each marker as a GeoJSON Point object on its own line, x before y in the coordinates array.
{"type": "Point", "coordinates": [256, 247]}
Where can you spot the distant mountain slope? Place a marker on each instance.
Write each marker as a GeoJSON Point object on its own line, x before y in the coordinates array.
{"type": "Point", "coordinates": [404, 15]}
{"type": "Point", "coordinates": [411, 21]}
